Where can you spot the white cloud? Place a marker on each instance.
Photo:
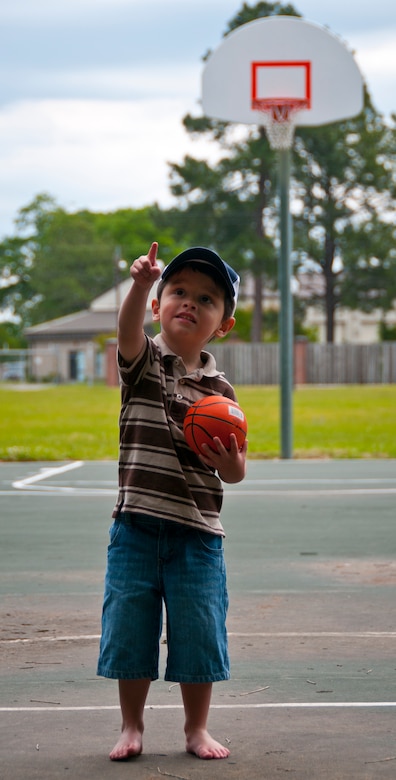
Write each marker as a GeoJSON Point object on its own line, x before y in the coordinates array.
{"type": "Point", "coordinates": [95, 154]}
{"type": "Point", "coordinates": [377, 52]}
{"type": "Point", "coordinates": [376, 56]}
{"type": "Point", "coordinates": [130, 83]}
{"type": "Point", "coordinates": [48, 10]}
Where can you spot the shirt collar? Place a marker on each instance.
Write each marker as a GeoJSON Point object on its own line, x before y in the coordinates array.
{"type": "Point", "coordinates": [208, 360]}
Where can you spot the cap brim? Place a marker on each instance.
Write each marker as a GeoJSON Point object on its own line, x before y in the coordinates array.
{"type": "Point", "coordinates": [208, 257]}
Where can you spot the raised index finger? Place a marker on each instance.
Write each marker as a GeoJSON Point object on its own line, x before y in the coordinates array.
{"type": "Point", "coordinates": [152, 253]}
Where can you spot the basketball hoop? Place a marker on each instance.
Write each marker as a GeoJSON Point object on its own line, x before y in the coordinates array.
{"type": "Point", "coordinates": [279, 119]}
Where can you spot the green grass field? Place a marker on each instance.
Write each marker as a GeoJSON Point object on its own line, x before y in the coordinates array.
{"type": "Point", "coordinates": [80, 422]}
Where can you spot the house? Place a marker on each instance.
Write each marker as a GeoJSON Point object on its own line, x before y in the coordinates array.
{"type": "Point", "coordinates": [351, 326]}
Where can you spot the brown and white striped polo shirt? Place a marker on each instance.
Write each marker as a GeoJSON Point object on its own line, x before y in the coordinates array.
{"type": "Point", "coordinates": [159, 475]}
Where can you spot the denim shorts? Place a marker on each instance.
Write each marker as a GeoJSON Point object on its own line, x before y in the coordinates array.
{"type": "Point", "coordinates": [154, 565]}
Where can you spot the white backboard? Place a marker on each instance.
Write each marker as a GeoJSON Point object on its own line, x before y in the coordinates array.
{"type": "Point", "coordinates": [285, 58]}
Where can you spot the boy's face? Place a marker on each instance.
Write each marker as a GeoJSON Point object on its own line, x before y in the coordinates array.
{"type": "Point", "coordinates": [191, 310]}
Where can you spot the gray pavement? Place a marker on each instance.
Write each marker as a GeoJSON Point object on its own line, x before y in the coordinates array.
{"type": "Point", "coordinates": [311, 554]}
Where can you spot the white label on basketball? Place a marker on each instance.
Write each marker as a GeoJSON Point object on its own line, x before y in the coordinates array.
{"type": "Point", "coordinates": [234, 411]}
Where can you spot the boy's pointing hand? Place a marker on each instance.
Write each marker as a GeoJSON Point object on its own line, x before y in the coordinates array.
{"type": "Point", "coordinates": [145, 270]}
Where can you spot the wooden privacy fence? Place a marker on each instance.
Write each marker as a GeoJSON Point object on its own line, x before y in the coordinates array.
{"type": "Point", "coordinates": [316, 364]}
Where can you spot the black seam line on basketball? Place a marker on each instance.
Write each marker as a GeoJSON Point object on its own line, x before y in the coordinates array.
{"type": "Point", "coordinates": [207, 405]}
{"type": "Point", "coordinates": [198, 444]}
{"type": "Point", "coordinates": [230, 423]}
{"type": "Point", "coordinates": [193, 433]}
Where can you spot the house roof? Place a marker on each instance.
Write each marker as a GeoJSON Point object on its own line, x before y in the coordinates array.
{"type": "Point", "coordinates": [100, 318]}
{"type": "Point", "coordinates": [85, 324]}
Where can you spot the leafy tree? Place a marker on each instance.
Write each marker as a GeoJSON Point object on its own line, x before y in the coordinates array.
{"type": "Point", "coordinates": [72, 265]}
{"type": "Point", "coordinates": [344, 197]}
{"type": "Point", "coordinates": [133, 230]}
{"type": "Point", "coordinates": [387, 332]}
{"type": "Point", "coordinates": [59, 261]}
{"type": "Point", "coordinates": [10, 336]}
{"type": "Point", "coordinates": [249, 13]}
{"type": "Point", "coordinates": [227, 204]}
{"type": "Point", "coordinates": [15, 288]}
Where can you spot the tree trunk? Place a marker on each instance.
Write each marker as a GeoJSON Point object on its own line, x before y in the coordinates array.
{"type": "Point", "coordinates": [330, 312]}
{"type": "Point", "coordinates": [257, 320]}
{"type": "Point", "coordinates": [330, 298]}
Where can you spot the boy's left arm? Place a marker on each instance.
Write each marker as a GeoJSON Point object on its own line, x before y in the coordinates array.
{"type": "Point", "coordinates": [230, 464]}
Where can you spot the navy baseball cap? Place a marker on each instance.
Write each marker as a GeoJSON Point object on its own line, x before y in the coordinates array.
{"type": "Point", "coordinates": [200, 254]}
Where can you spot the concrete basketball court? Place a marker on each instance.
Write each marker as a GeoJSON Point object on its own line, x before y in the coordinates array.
{"type": "Point", "coordinates": [311, 557]}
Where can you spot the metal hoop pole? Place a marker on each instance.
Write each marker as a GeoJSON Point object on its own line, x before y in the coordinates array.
{"type": "Point", "coordinates": [286, 309]}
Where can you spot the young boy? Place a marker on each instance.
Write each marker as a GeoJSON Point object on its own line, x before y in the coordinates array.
{"type": "Point", "coordinates": [166, 539]}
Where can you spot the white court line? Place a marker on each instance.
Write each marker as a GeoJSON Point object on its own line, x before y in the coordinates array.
{"type": "Point", "coordinates": [44, 473]}
{"type": "Point", "coordinates": [267, 706]}
{"type": "Point", "coordinates": [28, 486]}
{"type": "Point", "coordinates": [39, 639]}
{"type": "Point", "coordinates": [242, 635]}
{"type": "Point", "coordinates": [58, 490]}
{"type": "Point", "coordinates": [307, 493]}
{"type": "Point", "coordinates": [320, 481]}
{"type": "Point", "coordinates": [69, 492]}
{"type": "Point", "coordinates": [321, 634]}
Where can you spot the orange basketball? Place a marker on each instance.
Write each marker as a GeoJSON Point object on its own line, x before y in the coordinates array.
{"type": "Point", "coordinates": [212, 416]}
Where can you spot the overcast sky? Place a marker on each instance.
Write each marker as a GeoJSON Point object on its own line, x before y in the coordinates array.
{"type": "Point", "coordinates": [93, 92]}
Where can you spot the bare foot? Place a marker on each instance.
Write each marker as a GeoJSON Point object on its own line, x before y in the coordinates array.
{"type": "Point", "coordinates": [202, 745]}
{"type": "Point", "coordinates": [129, 744]}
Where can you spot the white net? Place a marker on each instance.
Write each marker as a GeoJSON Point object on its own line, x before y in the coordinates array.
{"type": "Point", "coordinates": [279, 121]}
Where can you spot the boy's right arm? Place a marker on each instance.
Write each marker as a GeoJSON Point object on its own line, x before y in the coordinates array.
{"type": "Point", "coordinates": [144, 271]}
